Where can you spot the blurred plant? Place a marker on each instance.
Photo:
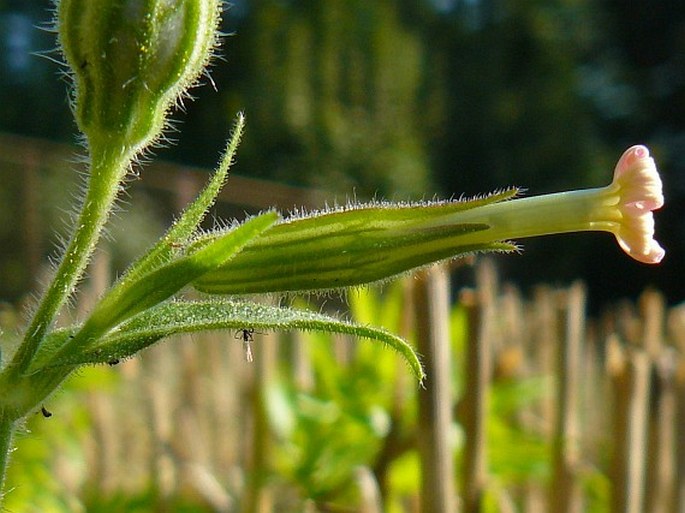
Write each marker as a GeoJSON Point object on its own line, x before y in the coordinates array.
{"type": "Point", "coordinates": [350, 415]}
{"type": "Point", "coordinates": [130, 63]}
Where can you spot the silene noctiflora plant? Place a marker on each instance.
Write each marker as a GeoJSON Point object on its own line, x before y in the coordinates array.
{"type": "Point", "coordinates": [131, 61]}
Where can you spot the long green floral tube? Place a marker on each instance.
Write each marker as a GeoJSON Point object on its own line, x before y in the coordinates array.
{"type": "Point", "coordinates": [369, 243]}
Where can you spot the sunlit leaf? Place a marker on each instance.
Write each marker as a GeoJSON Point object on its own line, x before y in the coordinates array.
{"type": "Point", "coordinates": [160, 284]}
{"type": "Point", "coordinates": [187, 317]}
{"type": "Point", "coordinates": [187, 224]}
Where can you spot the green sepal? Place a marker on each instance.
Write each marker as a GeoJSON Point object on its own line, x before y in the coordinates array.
{"type": "Point", "coordinates": [350, 247]}
{"type": "Point", "coordinates": [161, 283]}
{"type": "Point", "coordinates": [178, 317]}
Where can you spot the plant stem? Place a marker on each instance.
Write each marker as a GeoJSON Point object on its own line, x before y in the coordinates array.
{"type": "Point", "coordinates": [107, 169]}
{"type": "Point", "coordinates": [6, 435]}
{"type": "Point", "coordinates": [19, 395]}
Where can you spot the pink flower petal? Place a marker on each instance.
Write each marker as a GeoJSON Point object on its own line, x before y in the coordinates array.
{"type": "Point", "coordinates": [641, 192]}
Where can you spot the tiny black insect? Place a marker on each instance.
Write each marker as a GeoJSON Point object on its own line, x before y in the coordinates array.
{"type": "Point", "coordinates": [113, 362]}
{"type": "Point", "coordinates": [247, 336]}
{"type": "Point", "coordinates": [47, 414]}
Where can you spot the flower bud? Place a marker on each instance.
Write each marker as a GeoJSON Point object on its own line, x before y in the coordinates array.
{"type": "Point", "coordinates": [131, 60]}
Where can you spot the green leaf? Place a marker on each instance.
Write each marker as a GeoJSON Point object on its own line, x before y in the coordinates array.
{"type": "Point", "coordinates": [186, 225]}
{"type": "Point", "coordinates": [160, 284]}
{"type": "Point", "coordinates": [354, 246]}
{"type": "Point", "coordinates": [51, 345]}
{"type": "Point", "coordinates": [177, 317]}
{"type": "Point", "coordinates": [167, 248]}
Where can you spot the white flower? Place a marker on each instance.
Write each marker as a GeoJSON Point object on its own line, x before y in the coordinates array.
{"type": "Point", "coordinates": [640, 191]}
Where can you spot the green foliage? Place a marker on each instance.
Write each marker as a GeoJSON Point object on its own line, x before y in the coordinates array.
{"type": "Point", "coordinates": [325, 433]}
{"type": "Point", "coordinates": [32, 487]}
{"type": "Point", "coordinates": [321, 434]}
{"type": "Point", "coordinates": [516, 454]}
{"type": "Point", "coordinates": [167, 319]}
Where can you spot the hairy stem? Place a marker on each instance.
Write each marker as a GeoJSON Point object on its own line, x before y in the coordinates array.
{"type": "Point", "coordinates": [6, 435]}
{"type": "Point", "coordinates": [107, 170]}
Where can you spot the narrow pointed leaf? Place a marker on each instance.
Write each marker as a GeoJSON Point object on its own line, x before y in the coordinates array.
{"type": "Point", "coordinates": [51, 345]}
{"type": "Point", "coordinates": [188, 317]}
{"type": "Point", "coordinates": [189, 221]}
{"type": "Point", "coordinates": [160, 284]}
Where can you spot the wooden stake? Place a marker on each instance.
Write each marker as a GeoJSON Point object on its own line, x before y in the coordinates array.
{"type": "Point", "coordinates": [564, 493]}
{"type": "Point", "coordinates": [478, 374]}
{"type": "Point", "coordinates": [432, 323]}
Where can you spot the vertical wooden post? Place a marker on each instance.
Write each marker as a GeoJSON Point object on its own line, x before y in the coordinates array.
{"type": "Point", "coordinates": [629, 370]}
{"type": "Point", "coordinates": [662, 449]}
{"type": "Point", "coordinates": [159, 402]}
{"type": "Point", "coordinates": [478, 375]}
{"type": "Point", "coordinates": [679, 495]}
{"type": "Point", "coordinates": [676, 330]}
{"type": "Point", "coordinates": [564, 494]}
{"type": "Point", "coordinates": [661, 441]}
{"type": "Point", "coordinates": [544, 347]}
{"type": "Point", "coordinates": [302, 372]}
{"type": "Point", "coordinates": [431, 300]}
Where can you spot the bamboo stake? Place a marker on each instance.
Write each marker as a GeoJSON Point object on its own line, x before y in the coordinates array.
{"type": "Point", "coordinates": [302, 374]}
{"type": "Point", "coordinates": [595, 394]}
{"type": "Point", "coordinates": [679, 484]}
{"type": "Point", "coordinates": [369, 491]}
{"type": "Point", "coordinates": [478, 375]}
{"type": "Point", "coordinates": [534, 499]}
{"type": "Point", "coordinates": [661, 462]}
{"type": "Point", "coordinates": [104, 465]}
{"type": "Point", "coordinates": [661, 442]}
{"type": "Point", "coordinates": [432, 322]}
{"type": "Point", "coordinates": [564, 493]}
{"type": "Point", "coordinates": [157, 365]}
{"type": "Point", "coordinates": [544, 345]}
{"type": "Point", "coordinates": [510, 359]}
{"type": "Point", "coordinates": [629, 371]}
{"type": "Point", "coordinates": [676, 329]}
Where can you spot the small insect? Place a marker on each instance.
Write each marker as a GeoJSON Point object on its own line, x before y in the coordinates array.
{"type": "Point", "coordinates": [113, 362]}
{"type": "Point", "coordinates": [47, 414]}
{"type": "Point", "coordinates": [247, 336]}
